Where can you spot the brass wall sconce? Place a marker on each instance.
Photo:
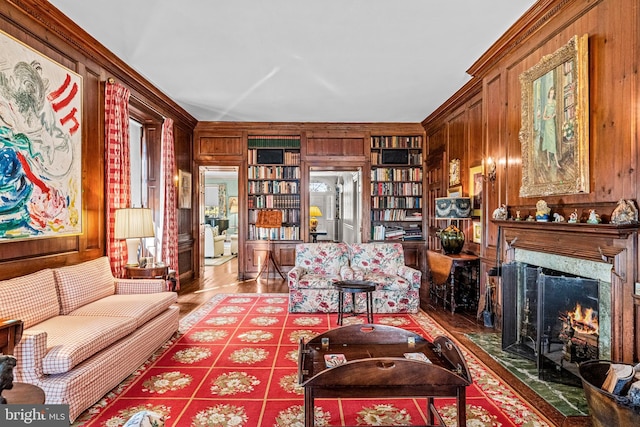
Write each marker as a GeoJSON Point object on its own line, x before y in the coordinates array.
{"type": "Point", "coordinates": [490, 170]}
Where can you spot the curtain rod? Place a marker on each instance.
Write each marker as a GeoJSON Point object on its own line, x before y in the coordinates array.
{"type": "Point", "coordinates": [111, 80]}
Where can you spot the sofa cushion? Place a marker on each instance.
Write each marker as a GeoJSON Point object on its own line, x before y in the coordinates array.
{"type": "Point", "coordinates": [387, 282]}
{"type": "Point", "coordinates": [31, 298]}
{"type": "Point", "coordinates": [377, 257]}
{"type": "Point", "coordinates": [322, 258]}
{"type": "Point", "coordinates": [318, 281]}
{"type": "Point", "coordinates": [139, 307]}
{"type": "Point", "coordinates": [73, 339]}
{"type": "Point", "coordinates": [83, 283]}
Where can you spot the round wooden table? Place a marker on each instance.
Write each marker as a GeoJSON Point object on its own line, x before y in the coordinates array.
{"type": "Point", "coordinates": [354, 287]}
{"type": "Point", "coordinates": [24, 394]}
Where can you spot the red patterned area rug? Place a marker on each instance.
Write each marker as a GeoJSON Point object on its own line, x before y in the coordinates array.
{"type": "Point", "coordinates": [234, 363]}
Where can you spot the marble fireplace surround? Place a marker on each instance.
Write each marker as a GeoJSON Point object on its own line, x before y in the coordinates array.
{"type": "Point", "coordinates": [603, 251]}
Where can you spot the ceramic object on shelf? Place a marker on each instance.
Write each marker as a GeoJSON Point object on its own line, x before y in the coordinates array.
{"type": "Point", "coordinates": [451, 239]}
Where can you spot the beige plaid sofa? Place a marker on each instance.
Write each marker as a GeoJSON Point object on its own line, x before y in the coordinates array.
{"type": "Point", "coordinates": [84, 330]}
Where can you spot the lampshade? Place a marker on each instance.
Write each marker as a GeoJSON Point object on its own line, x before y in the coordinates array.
{"type": "Point", "coordinates": [233, 208]}
{"type": "Point", "coordinates": [315, 211]}
{"type": "Point", "coordinates": [133, 223]}
{"type": "Point", "coordinates": [453, 207]}
{"type": "Point", "coordinates": [269, 219]}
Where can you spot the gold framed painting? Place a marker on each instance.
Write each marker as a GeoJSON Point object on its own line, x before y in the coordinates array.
{"type": "Point", "coordinates": [477, 232]}
{"type": "Point", "coordinates": [454, 172]}
{"type": "Point", "coordinates": [475, 189]}
{"type": "Point", "coordinates": [184, 189]}
{"type": "Point", "coordinates": [554, 132]}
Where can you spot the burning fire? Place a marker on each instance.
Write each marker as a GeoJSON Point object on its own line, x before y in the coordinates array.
{"type": "Point", "coordinates": [584, 320]}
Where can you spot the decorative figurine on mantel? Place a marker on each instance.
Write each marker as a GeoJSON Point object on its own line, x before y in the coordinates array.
{"type": "Point", "coordinates": [625, 213]}
{"type": "Point", "coordinates": [573, 218]}
{"type": "Point", "coordinates": [594, 218]}
{"type": "Point", "coordinates": [7, 363]}
{"type": "Point", "coordinates": [557, 217]}
{"type": "Point", "coordinates": [518, 217]}
{"type": "Point", "coordinates": [501, 213]}
{"type": "Point", "coordinates": [542, 211]}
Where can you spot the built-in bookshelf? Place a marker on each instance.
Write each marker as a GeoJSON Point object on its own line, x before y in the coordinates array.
{"type": "Point", "coordinates": [396, 188]}
{"type": "Point", "coordinates": [274, 183]}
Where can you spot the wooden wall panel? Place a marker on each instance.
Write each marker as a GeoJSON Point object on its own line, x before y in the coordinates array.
{"type": "Point", "coordinates": [46, 30]}
{"type": "Point", "coordinates": [336, 147]}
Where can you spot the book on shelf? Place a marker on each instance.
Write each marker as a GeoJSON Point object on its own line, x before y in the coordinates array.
{"type": "Point", "coordinates": [333, 360]}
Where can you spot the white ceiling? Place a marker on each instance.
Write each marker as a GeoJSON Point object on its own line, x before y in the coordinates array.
{"type": "Point", "coordinates": [300, 60]}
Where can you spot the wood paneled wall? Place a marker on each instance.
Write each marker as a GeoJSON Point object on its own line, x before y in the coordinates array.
{"type": "Point", "coordinates": [45, 29]}
{"type": "Point", "coordinates": [613, 27]}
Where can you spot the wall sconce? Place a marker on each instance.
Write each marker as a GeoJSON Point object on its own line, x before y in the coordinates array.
{"type": "Point", "coordinates": [489, 170]}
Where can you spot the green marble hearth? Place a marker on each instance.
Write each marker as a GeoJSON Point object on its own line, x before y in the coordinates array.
{"type": "Point", "coordinates": [568, 400]}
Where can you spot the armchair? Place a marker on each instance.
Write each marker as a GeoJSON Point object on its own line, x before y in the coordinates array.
{"type": "Point", "coordinates": [213, 243]}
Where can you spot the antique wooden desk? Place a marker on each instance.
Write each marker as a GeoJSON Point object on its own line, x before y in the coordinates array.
{"type": "Point", "coordinates": [454, 279]}
{"type": "Point", "coordinates": [376, 367]}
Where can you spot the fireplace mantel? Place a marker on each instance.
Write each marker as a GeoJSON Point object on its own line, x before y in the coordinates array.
{"type": "Point", "coordinates": [595, 242]}
{"type": "Point", "coordinates": [608, 243]}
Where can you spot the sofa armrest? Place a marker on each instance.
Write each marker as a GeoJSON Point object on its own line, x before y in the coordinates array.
{"type": "Point", "coordinates": [347, 273]}
{"type": "Point", "coordinates": [294, 276]}
{"type": "Point", "coordinates": [411, 274]}
{"type": "Point", "coordinates": [358, 273]}
{"type": "Point", "coordinates": [140, 286]}
{"type": "Point", "coordinates": [30, 351]}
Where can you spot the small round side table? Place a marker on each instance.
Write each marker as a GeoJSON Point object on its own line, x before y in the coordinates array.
{"type": "Point", "coordinates": [354, 287]}
{"type": "Point", "coordinates": [24, 394]}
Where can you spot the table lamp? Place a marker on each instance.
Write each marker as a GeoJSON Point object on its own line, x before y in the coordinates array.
{"type": "Point", "coordinates": [133, 225]}
{"type": "Point", "coordinates": [452, 208]}
{"type": "Point", "coordinates": [314, 212]}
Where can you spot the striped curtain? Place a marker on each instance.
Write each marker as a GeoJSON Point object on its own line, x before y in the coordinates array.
{"type": "Point", "coordinates": [170, 219]}
{"type": "Point", "coordinates": [118, 166]}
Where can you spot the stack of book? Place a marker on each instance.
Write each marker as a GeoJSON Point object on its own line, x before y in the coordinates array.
{"type": "Point", "coordinates": [394, 233]}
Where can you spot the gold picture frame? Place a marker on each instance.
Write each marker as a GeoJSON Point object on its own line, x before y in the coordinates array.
{"type": "Point", "coordinates": [554, 132]}
{"type": "Point", "coordinates": [476, 181]}
{"type": "Point", "coordinates": [454, 172]}
{"type": "Point", "coordinates": [455, 191]}
{"type": "Point", "coordinates": [477, 232]}
{"type": "Point", "coordinates": [184, 189]}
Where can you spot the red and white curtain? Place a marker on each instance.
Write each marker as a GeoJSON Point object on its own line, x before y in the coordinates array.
{"type": "Point", "coordinates": [118, 166]}
{"type": "Point", "coordinates": [170, 218]}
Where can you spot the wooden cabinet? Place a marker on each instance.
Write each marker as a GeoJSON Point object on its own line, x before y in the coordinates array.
{"type": "Point", "coordinates": [396, 188]}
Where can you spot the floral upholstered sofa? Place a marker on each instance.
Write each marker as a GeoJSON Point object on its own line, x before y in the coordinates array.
{"type": "Point", "coordinates": [319, 265]}
{"type": "Point", "coordinates": [84, 330]}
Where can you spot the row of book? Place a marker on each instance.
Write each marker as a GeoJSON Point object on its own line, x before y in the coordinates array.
{"type": "Point", "coordinates": [289, 216]}
{"type": "Point", "coordinates": [273, 141]}
{"type": "Point", "coordinates": [282, 233]}
{"type": "Point", "coordinates": [288, 157]}
{"type": "Point", "coordinates": [273, 187]}
{"type": "Point", "coordinates": [273, 172]}
{"type": "Point", "coordinates": [394, 232]}
{"type": "Point", "coordinates": [395, 215]}
{"type": "Point", "coordinates": [396, 142]}
{"type": "Point", "coordinates": [274, 201]}
{"type": "Point", "coordinates": [396, 188]}
{"type": "Point", "coordinates": [396, 174]}
{"type": "Point", "coordinates": [410, 158]}
{"type": "Point", "coordinates": [396, 202]}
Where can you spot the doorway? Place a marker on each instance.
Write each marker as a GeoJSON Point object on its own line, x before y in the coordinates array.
{"type": "Point", "coordinates": [337, 195]}
{"type": "Point", "coordinates": [219, 217]}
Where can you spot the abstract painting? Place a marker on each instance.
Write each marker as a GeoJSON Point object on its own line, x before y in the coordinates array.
{"type": "Point", "coordinates": [40, 145]}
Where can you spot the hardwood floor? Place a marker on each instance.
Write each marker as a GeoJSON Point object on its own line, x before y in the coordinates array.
{"type": "Point", "coordinates": [223, 279]}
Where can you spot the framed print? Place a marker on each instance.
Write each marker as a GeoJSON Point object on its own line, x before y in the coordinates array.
{"type": "Point", "coordinates": [184, 189]}
{"type": "Point", "coordinates": [455, 191]}
{"type": "Point", "coordinates": [475, 189]}
{"type": "Point", "coordinates": [477, 232]}
{"type": "Point", "coordinates": [554, 132]}
{"type": "Point", "coordinates": [40, 143]}
{"type": "Point", "coordinates": [454, 172]}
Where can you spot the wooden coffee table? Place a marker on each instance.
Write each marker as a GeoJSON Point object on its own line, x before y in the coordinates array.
{"type": "Point", "coordinates": [377, 367]}
{"type": "Point", "coordinates": [354, 287]}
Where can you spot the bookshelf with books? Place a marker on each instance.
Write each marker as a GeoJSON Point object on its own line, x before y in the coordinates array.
{"type": "Point", "coordinates": [396, 188]}
{"type": "Point", "coordinates": [273, 182]}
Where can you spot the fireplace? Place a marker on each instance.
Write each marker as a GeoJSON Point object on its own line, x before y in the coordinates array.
{"type": "Point", "coordinates": [551, 317]}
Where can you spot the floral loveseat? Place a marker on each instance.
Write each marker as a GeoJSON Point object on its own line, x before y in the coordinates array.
{"type": "Point", "coordinates": [319, 265]}
{"type": "Point", "coordinates": [84, 331]}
